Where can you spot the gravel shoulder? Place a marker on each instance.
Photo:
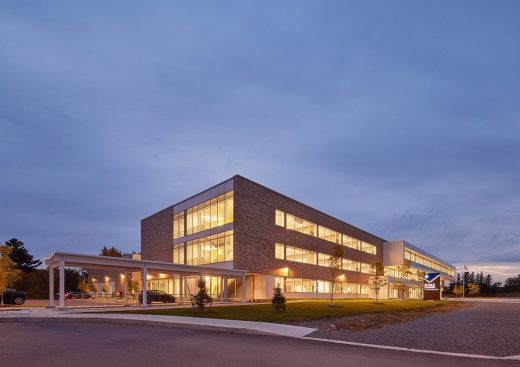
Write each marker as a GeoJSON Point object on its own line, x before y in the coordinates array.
{"type": "Point", "coordinates": [484, 328]}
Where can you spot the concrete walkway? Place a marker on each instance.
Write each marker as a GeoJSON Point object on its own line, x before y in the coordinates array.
{"type": "Point", "coordinates": [50, 315]}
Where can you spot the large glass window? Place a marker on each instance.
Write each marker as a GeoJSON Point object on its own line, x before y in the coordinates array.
{"type": "Point", "coordinates": [426, 261]}
{"type": "Point", "coordinates": [368, 247]}
{"type": "Point", "coordinates": [210, 249]}
{"type": "Point", "coordinates": [351, 265]}
{"type": "Point", "coordinates": [279, 218]}
{"type": "Point", "coordinates": [210, 214]}
{"type": "Point", "coordinates": [178, 254]}
{"type": "Point", "coordinates": [328, 234]}
{"type": "Point", "coordinates": [301, 225]}
{"type": "Point", "coordinates": [178, 225]}
{"type": "Point", "coordinates": [298, 285]}
{"type": "Point", "coordinates": [279, 251]}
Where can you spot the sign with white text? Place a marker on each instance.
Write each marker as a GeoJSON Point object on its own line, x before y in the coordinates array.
{"type": "Point", "coordinates": [432, 287]}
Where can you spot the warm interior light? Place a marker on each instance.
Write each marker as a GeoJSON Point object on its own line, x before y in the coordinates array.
{"type": "Point", "coordinates": [106, 279]}
{"type": "Point", "coordinates": [161, 275]}
{"type": "Point", "coordinates": [286, 271]}
{"type": "Point", "coordinates": [148, 277]}
{"type": "Point", "coordinates": [122, 275]}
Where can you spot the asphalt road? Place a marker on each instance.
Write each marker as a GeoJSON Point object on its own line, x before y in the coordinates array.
{"type": "Point", "coordinates": [84, 344]}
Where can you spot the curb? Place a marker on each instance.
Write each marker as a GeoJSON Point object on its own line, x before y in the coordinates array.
{"type": "Point", "coordinates": [104, 320]}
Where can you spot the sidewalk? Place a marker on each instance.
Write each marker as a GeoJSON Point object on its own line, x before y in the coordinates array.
{"type": "Point", "coordinates": [50, 315]}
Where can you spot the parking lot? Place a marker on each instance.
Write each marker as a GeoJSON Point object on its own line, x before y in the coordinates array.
{"type": "Point", "coordinates": [485, 328]}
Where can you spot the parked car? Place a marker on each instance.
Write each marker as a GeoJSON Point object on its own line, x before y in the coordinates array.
{"type": "Point", "coordinates": [157, 296]}
{"type": "Point", "coordinates": [14, 297]}
{"type": "Point", "coordinates": [74, 295]}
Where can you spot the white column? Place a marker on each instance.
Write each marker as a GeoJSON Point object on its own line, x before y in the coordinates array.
{"type": "Point", "coordinates": [143, 280]}
{"type": "Point", "coordinates": [221, 289]}
{"type": "Point", "coordinates": [125, 287]}
{"type": "Point", "coordinates": [62, 284]}
{"type": "Point", "coordinates": [244, 287]}
{"type": "Point", "coordinates": [51, 286]}
{"type": "Point", "coordinates": [181, 289]}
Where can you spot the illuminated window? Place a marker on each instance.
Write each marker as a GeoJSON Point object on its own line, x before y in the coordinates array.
{"type": "Point", "coordinates": [210, 249]}
{"type": "Point", "coordinates": [323, 259]}
{"type": "Point", "coordinates": [210, 214]}
{"type": "Point", "coordinates": [279, 251]}
{"type": "Point", "coordinates": [328, 234]}
{"type": "Point", "coordinates": [178, 254]}
{"type": "Point", "coordinates": [279, 218]}
{"type": "Point", "coordinates": [178, 225]}
{"type": "Point", "coordinates": [351, 265]}
{"type": "Point", "coordinates": [301, 225]}
{"type": "Point", "coordinates": [423, 260]}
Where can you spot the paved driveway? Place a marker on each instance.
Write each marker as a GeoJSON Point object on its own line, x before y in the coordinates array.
{"type": "Point", "coordinates": [73, 344]}
{"type": "Point", "coordinates": [488, 328]}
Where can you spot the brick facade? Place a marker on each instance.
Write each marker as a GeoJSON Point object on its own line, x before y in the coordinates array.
{"type": "Point", "coordinates": [157, 236]}
{"type": "Point", "coordinates": [256, 234]}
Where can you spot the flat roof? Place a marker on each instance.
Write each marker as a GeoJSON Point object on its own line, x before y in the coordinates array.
{"type": "Point", "coordinates": [119, 263]}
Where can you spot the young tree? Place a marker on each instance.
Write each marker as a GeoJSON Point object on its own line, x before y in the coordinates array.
{"type": "Point", "coordinates": [377, 281]}
{"type": "Point", "coordinates": [473, 289]}
{"type": "Point", "coordinates": [457, 290]}
{"type": "Point", "coordinates": [202, 298]}
{"type": "Point", "coordinates": [21, 256]}
{"type": "Point", "coordinates": [133, 285]}
{"type": "Point", "coordinates": [9, 272]}
{"type": "Point", "coordinates": [420, 279]}
{"type": "Point", "coordinates": [83, 286]}
{"type": "Point", "coordinates": [334, 268]}
{"type": "Point", "coordinates": [278, 299]}
{"type": "Point", "coordinates": [93, 287]}
{"type": "Point", "coordinates": [105, 288]}
{"type": "Point", "coordinates": [405, 273]}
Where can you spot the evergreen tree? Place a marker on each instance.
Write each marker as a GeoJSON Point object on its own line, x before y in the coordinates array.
{"type": "Point", "coordinates": [21, 256]}
{"type": "Point", "coordinates": [488, 282]}
{"type": "Point", "coordinates": [202, 297]}
{"type": "Point", "coordinates": [112, 252]}
{"type": "Point", "coordinates": [278, 299]}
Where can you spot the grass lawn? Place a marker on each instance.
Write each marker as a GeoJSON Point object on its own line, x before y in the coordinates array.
{"type": "Point", "coordinates": [296, 311]}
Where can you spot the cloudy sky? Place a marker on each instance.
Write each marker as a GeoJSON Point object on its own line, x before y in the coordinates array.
{"type": "Point", "coordinates": [402, 117]}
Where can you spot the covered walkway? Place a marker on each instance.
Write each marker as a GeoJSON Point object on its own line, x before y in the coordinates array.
{"type": "Point", "coordinates": [61, 260]}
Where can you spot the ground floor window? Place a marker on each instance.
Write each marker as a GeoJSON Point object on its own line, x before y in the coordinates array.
{"type": "Point", "coordinates": [298, 285]}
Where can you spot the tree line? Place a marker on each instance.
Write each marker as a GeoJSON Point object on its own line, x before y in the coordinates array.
{"type": "Point", "coordinates": [19, 270]}
{"type": "Point", "coordinates": [477, 283]}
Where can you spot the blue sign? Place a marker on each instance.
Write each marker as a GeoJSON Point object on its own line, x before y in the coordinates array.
{"type": "Point", "coordinates": [430, 277]}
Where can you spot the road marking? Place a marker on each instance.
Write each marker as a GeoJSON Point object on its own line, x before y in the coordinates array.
{"type": "Point", "coordinates": [426, 351]}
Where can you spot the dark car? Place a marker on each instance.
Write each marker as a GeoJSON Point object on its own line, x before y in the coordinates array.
{"type": "Point", "coordinates": [74, 295]}
{"type": "Point", "coordinates": [14, 297]}
{"type": "Point", "coordinates": [157, 296]}
{"type": "Point", "coordinates": [77, 295]}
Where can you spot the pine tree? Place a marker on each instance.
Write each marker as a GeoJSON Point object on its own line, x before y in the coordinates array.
{"type": "Point", "coordinates": [202, 297]}
{"type": "Point", "coordinates": [278, 299]}
{"type": "Point", "coordinates": [21, 256]}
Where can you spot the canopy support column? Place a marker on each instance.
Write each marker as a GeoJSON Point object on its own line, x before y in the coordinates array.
{"type": "Point", "coordinates": [51, 287]}
{"type": "Point", "coordinates": [244, 287]}
{"type": "Point", "coordinates": [144, 303]}
{"type": "Point", "coordinates": [62, 284]}
{"type": "Point", "coordinates": [181, 289]}
{"type": "Point", "coordinates": [125, 286]}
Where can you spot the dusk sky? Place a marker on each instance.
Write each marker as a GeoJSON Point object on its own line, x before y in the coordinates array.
{"type": "Point", "coordinates": [400, 117]}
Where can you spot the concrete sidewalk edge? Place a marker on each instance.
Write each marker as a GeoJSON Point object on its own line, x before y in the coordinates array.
{"type": "Point", "coordinates": [158, 323]}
